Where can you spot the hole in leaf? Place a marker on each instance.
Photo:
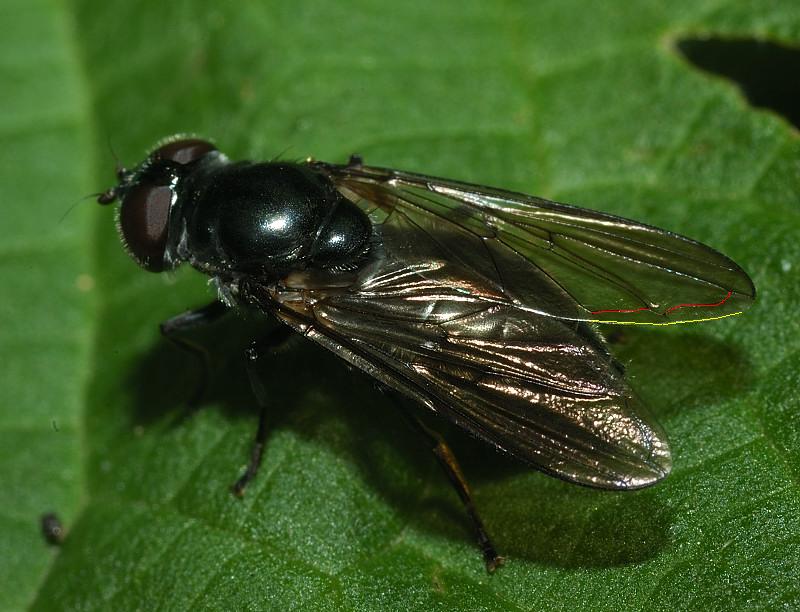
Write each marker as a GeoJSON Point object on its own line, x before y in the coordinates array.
{"type": "Point", "coordinates": [766, 72]}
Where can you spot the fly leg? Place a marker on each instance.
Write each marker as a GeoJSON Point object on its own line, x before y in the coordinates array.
{"type": "Point", "coordinates": [355, 161]}
{"type": "Point", "coordinates": [450, 466]}
{"type": "Point", "coordinates": [254, 352]}
{"type": "Point", "coordinates": [189, 320]}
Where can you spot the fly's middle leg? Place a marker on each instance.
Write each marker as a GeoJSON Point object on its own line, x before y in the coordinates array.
{"type": "Point", "coordinates": [256, 351]}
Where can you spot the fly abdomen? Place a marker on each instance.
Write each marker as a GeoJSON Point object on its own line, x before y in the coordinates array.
{"type": "Point", "coordinates": [344, 240]}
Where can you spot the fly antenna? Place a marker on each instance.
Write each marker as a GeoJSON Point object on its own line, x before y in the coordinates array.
{"type": "Point", "coordinates": [78, 201]}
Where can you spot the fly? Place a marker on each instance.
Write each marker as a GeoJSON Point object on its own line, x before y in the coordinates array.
{"type": "Point", "coordinates": [480, 304]}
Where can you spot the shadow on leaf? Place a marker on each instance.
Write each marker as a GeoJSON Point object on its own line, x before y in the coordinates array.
{"type": "Point", "coordinates": [531, 516]}
{"type": "Point", "coordinates": [676, 370]}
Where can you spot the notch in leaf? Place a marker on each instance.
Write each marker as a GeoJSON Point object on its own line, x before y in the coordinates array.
{"type": "Point", "coordinates": [765, 71]}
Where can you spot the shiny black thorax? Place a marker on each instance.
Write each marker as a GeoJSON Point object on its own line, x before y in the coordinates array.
{"type": "Point", "coordinates": [265, 218]}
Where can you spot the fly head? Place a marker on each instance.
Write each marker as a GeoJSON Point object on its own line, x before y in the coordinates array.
{"type": "Point", "coordinates": [148, 194]}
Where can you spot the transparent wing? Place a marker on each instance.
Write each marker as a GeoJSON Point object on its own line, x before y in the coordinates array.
{"type": "Point", "coordinates": [474, 302]}
{"type": "Point", "coordinates": [546, 257]}
{"type": "Point", "coordinates": [540, 388]}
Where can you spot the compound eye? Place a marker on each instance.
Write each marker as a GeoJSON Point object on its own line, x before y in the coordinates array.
{"type": "Point", "coordinates": [183, 151]}
{"type": "Point", "coordinates": [144, 219]}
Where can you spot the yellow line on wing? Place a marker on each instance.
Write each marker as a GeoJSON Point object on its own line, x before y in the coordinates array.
{"type": "Point", "coordinates": [733, 314]}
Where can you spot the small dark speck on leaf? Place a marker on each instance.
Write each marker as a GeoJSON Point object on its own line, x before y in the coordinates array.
{"type": "Point", "coordinates": [52, 528]}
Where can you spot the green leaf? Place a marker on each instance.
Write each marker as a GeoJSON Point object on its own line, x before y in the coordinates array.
{"type": "Point", "coordinates": [585, 103]}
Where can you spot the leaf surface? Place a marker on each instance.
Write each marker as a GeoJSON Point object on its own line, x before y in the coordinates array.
{"type": "Point", "coordinates": [588, 104]}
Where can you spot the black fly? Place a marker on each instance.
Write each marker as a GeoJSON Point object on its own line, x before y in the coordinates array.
{"type": "Point", "coordinates": [476, 302]}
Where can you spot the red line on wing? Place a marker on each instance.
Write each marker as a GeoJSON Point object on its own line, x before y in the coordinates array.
{"type": "Point", "coordinates": [720, 303]}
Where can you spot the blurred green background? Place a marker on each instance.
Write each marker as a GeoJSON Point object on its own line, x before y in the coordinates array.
{"type": "Point", "coordinates": [588, 103]}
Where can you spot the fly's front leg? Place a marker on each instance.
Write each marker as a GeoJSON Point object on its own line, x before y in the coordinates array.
{"type": "Point", "coordinates": [450, 465]}
{"type": "Point", "coordinates": [191, 320]}
{"type": "Point", "coordinates": [254, 352]}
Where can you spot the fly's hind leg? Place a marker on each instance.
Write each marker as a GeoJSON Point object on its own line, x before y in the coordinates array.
{"type": "Point", "coordinates": [254, 352]}
{"type": "Point", "coordinates": [450, 466]}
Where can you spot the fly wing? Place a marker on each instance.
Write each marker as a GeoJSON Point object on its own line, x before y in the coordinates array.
{"type": "Point", "coordinates": [474, 301]}
{"type": "Point", "coordinates": [540, 388]}
{"type": "Point", "coordinates": [552, 258]}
